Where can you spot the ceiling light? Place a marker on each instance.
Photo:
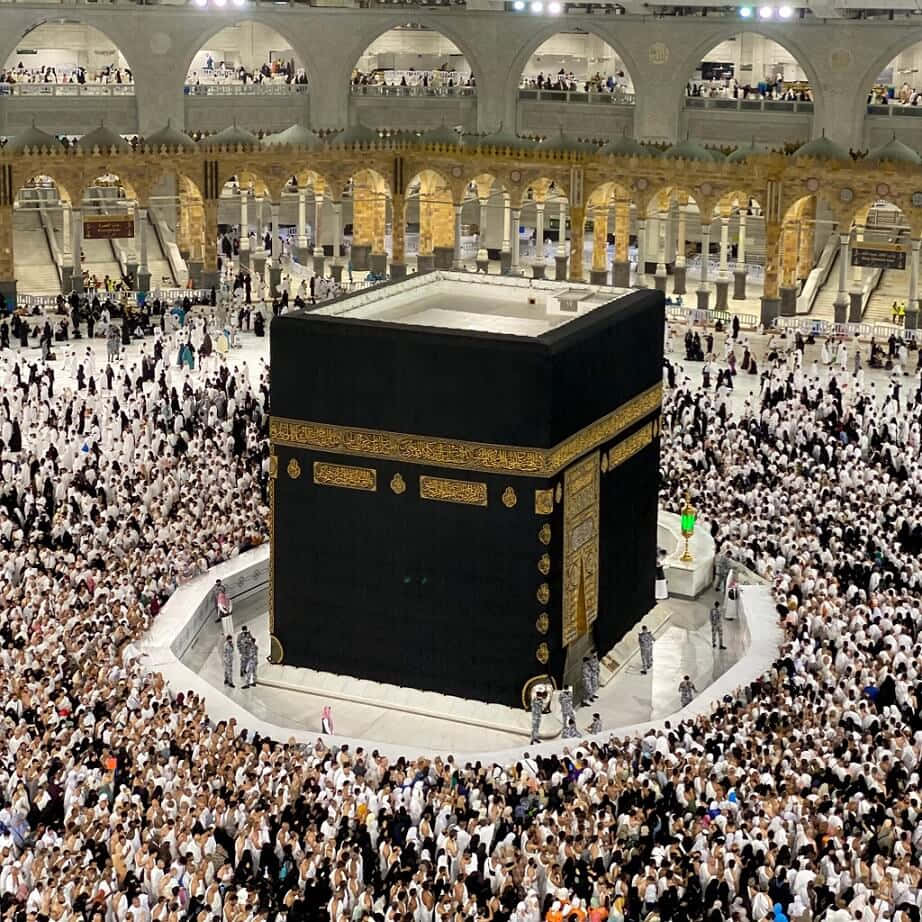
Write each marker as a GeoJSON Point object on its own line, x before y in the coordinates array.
{"type": "Point", "coordinates": [766, 12]}
{"type": "Point", "coordinates": [553, 8]}
{"type": "Point", "coordinates": [239, 2]}
{"type": "Point", "coordinates": [519, 5]}
{"type": "Point", "coordinates": [537, 6]}
{"type": "Point", "coordinates": [220, 2]}
{"type": "Point", "coordinates": [785, 12]}
{"type": "Point", "coordinates": [746, 12]}
{"type": "Point", "coordinates": [201, 3]}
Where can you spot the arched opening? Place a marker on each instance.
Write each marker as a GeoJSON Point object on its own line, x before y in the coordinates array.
{"type": "Point", "coordinates": [900, 82]}
{"type": "Point", "coordinates": [247, 57]}
{"type": "Point", "coordinates": [750, 66]}
{"type": "Point", "coordinates": [880, 264]}
{"type": "Point", "coordinates": [430, 221]}
{"type": "Point", "coordinates": [413, 60]}
{"type": "Point", "coordinates": [38, 247]}
{"type": "Point", "coordinates": [577, 62]}
{"type": "Point", "coordinates": [108, 234]}
{"type": "Point", "coordinates": [65, 58]}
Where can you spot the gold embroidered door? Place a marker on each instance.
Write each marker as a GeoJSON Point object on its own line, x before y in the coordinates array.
{"type": "Point", "coordinates": [580, 547]}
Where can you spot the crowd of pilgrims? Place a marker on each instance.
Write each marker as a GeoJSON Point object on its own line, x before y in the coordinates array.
{"type": "Point", "coordinates": [121, 801]}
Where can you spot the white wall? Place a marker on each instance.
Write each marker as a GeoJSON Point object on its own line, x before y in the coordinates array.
{"type": "Point", "coordinates": [66, 46]}
{"type": "Point", "coordinates": [584, 55]}
{"type": "Point", "coordinates": [248, 44]}
{"type": "Point", "coordinates": [402, 49]}
{"type": "Point", "coordinates": [754, 58]}
{"type": "Point", "coordinates": [905, 68]}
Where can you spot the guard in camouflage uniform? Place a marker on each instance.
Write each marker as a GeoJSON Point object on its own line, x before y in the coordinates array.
{"type": "Point", "coordinates": [687, 691]}
{"type": "Point", "coordinates": [566, 704]}
{"type": "Point", "coordinates": [717, 626]}
{"type": "Point", "coordinates": [228, 656]}
{"type": "Point", "coordinates": [645, 639]}
{"type": "Point", "coordinates": [537, 708]}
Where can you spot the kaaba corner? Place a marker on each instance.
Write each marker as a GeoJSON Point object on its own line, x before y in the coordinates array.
{"type": "Point", "coordinates": [464, 480]}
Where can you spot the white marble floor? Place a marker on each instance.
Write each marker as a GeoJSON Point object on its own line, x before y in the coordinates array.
{"type": "Point", "coordinates": [683, 647]}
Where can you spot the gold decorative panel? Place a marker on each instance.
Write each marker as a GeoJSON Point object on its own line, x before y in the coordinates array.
{"type": "Point", "coordinates": [469, 492]}
{"type": "Point", "coordinates": [398, 484]}
{"type": "Point", "coordinates": [294, 469]}
{"type": "Point", "coordinates": [544, 502]}
{"type": "Point", "coordinates": [509, 497]}
{"type": "Point", "coordinates": [544, 534]}
{"type": "Point", "coordinates": [580, 547]}
{"type": "Point", "coordinates": [543, 593]}
{"type": "Point", "coordinates": [471, 456]}
{"type": "Point", "coordinates": [542, 654]}
{"type": "Point", "coordinates": [629, 447]}
{"type": "Point", "coordinates": [544, 564]}
{"type": "Point", "coordinates": [343, 475]}
{"type": "Point", "coordinates": [543, 623]}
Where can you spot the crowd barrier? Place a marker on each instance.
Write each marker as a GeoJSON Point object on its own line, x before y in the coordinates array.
{"type": "Point", "coordinates": [695, 317]}
{"type": "Point", "coordinates": [819, 327]}
{"type": "Point", "coordinates": [40, 301]}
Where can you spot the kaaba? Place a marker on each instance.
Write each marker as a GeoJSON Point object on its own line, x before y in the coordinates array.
{"type": "Point", "coordinates": [464, 480]}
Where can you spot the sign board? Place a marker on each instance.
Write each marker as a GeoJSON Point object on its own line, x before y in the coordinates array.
{"type": "Point", "coordinates": [879, 256]}
{"type": "Point", "coordinates": [107, 227]}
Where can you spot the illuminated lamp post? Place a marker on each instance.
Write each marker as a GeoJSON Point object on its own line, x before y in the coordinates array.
{"type": "Point", "coordinates": [689, 517]}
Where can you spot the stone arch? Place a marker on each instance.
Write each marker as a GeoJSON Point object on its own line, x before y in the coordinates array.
{"type": "Point", "coordinates": [687, 66]}
{"type": "Point", "coordinates": [201, 39]}
{"type": "Point", "coordinates": [367, 37]}
{"type": "Point", "coordinates": [92, 179]}
{"type": "Point", "coordinates": [893, 50]}
{"type": "Point", "coordinates": [10, 55]}
{"type": "Point", "coordinates": [539, 37]}
{"type": "Point", "coordinates": [588, 33]}
{"type": "Point", "coordinates": [64, 193]}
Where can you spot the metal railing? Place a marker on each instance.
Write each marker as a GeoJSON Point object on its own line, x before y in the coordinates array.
{"type": "Point", "coordinates": [244, 89]}
{"type": "Point", "coordinates": [748, 105]}
{"type": "Point", "coordinates": [694, 316]}
{"type": "Point", "coordinates": [894, 110]}
{"type": "Point", "coordinates": [600, 97]}
{"type": "Point", "coordinates": [386, 89]}
{"type": "Point", "coordinates": [66, 89]}
{"type": "Point", "coordinates": [819, 327]}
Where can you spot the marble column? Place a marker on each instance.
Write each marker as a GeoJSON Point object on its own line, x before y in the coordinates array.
{"type": "Point", "coordinates": [299, 251]}
{"type": "Point", "coordinates": [456, 262]}
{"type": "Point", "coordinates": [131, 251]}
{"type": "Point", "coordinates": [560, 255]}
{"type": "Point", "coordinates": [244, 246]}
{"type": "Point", "coordinates": [65, 228]}
{"type": "Point", "coordinates": [678, 279]}
{"type": "Point", "coordinates": [598, 275]}
{"type": "Point", "coordinates": [505, 253]}
{"type": "Point", "coordinates": [483, 258]}
{"type": "Point", "coordinates": [577, 225]}
{"type": "Point", "coordinates": [739, 274]}
{"type": "Point", "coordinates": [660, 277]}
{"type": "Point", "coordinates": [275, 270]}
{"type": "Point", "coordinates": [336, 269]}
{"type": "Point", "coordinates": [399, 238]}
{"type": "Point", "coordinates": [514, 267]}
{"type": "Point", "coordinates": [912, 304]}
{"type": "Point", "coordinates": [143, 271]}
{"type": "Point", "coordinates": [640, 280]}
{"type": "Point", "coordinates": [76, 237]}
{"type": "Point", "coordinates": [538, 265]}
{"type": "Point", "coordinates": [319, 260]}
{"type": "Point", "coordinates": [258, 255]}
{"type": "Point", "coordinates": [723, 276]}
{"type": "Point", "coordinates": [704, 293]}
{"type": "Point", "coordinates": [842, 301]}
